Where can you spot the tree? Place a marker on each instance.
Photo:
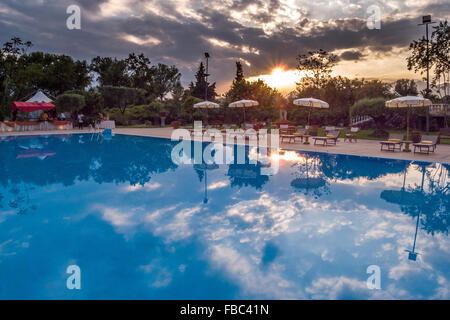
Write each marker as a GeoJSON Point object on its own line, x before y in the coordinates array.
{"type": "Point", "coordinates": [317, 65]}
{"type": "Point", "coordinates": [110, 72]}
{"type": "Point", "coordinates": [341, 93]}
{"type": "Point", "coordinates": [121, 97]}
{"type": "Point", "coordinates": [199, 88]}
{"type": "Point", "coordinates": [178, 93]}
{"type": "Point", "coordinates": [440, 50]}
{"type": "Point", "coordinates": [94, 102]}
{"type": "Point", "coordinates": [9, 55]}
{"type": "Point", "coordinates": [438, 58]}
{"type": "Point", "coordinates": [26, 73]}
{"type": "Point", "coordinates": [375, 108]}
{"type": "Point", "coordinates": [239, 72]}
{"type": "Point", "coordinates": [188, 104]}
{"type": "Point", "coordinates": [269, 99]}
{"type": "Point", "coordinates": [70, 102]}
{"type": "Point", "coordinates": [239, 86]}
{"type": "Point", "coordinates": [405, 87]}
{"type": "Point", "coordinates": [164, 80]}
{"type": "Point", "coordinates": [139, 71]}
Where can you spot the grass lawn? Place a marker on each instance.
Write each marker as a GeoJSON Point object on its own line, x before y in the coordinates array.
{"type": "Point", "coordinates": [365, 134]}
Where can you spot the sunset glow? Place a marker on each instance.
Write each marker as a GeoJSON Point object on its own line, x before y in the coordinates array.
{"type": "Point", "coordinates": [281, 79]}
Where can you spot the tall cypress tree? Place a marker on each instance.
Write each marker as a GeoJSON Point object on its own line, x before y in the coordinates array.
{"type": "Point", "coordinates": [239, 86]}
{"type": "Point", "coordinates": [199, 88]}
{"type": "Point", "coordinates": [239, 72]}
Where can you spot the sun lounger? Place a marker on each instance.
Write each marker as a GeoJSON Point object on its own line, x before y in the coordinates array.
{"type": "Point", "coordinates": [426, 145]}
{"type": "Point", "coordinates": [289, 137]}
{"type": "Point", "coordinates": [394, 143]}
{"type": "Point", "coordinates": [299, 133]}
{"type": "Point", "coordinates": [330, 139]}
{"type": "Point", "coordinates": [329, 129]}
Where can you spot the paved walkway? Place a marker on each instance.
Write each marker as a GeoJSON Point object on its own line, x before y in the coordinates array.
{"type": "Point", "coordinates": [369, 148]}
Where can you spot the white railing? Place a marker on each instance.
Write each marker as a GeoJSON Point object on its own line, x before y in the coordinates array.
{"type": "Point", "coordinates": [359, 120]}
{"type": "Point", "coordinates": [440, 109]}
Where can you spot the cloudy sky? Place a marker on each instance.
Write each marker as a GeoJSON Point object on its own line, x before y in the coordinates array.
{"type": "Point", "coordinates": [266, 35]}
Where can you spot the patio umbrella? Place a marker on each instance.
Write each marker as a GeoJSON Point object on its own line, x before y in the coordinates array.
{"type": "Point", "coordinates": [206, 105]}
{"type": "Point", "coordinates": [311, 103]}
{"type": "Point", "coordinates": [244, 104]}
{"type": "Point", "coordinates": [204, 168]}
{"type": "Point", "coordinates": [408, 102]}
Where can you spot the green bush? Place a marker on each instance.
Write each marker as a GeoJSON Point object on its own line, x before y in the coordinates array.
{"type": "Point", "coordinates": [69, 102]}
{"type": "Point", "coordinates": [375, 108]}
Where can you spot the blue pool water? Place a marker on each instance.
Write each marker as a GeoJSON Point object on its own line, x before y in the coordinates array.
{"type": "Point", "coordinates": [141, 227]}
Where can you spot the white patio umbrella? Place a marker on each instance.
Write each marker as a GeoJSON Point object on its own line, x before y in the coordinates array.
{"type": "Point", "coordinates": [244, 104]}
{"type": "Point", "coordinates": [206, 105]}
{"type": "Point", "coordinates": [311, 103]}
{"type": "Point", "coordinates": [408, 102]}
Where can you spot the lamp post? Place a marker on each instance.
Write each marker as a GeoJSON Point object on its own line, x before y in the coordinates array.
{"type": "Point", "coordinates": [206, 82]}
{"type": "Point", "coordinates": [206, 75]}
{"type": "Point", "coordinates": [426, 20]}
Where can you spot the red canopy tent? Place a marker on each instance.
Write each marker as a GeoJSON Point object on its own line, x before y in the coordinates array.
{"type": "Point", "coordinates": [32, 106]}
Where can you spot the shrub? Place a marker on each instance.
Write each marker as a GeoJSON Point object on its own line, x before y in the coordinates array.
{"type": "Point", "coordinates": [375, 108]}
{"type": "Point", "coordinates": [69, 102]}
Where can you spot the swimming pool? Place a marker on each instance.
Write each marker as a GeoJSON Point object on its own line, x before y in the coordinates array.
{"type": "Point", "coordinates": [140, 227]}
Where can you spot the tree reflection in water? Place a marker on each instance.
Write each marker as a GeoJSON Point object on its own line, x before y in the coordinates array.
{"type": "Point", "coordinates": [101, 162]}
{"type": "Point", "coordinates": [310, 178]}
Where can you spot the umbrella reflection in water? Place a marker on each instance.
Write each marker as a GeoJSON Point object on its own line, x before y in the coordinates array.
{"type": "Point", "coordinates": [203, 168]}
{"type": "Point", "coordinates": [416, 201]}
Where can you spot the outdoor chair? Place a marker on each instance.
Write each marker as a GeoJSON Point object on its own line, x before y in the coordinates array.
{"type": "Point", "coordinates": [394, 143]}
{"type": "Point", "coordinates": [352, 135]}
{"type": "Point", "coordinates": [426, 145]}
{"type": "Point", "coordinates": [330, 139]}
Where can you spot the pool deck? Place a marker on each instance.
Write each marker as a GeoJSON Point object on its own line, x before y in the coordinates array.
{"type": "Point", "coordinates": [368, 148]}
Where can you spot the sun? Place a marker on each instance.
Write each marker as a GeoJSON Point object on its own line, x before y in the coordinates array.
{"type": "Point", "coordinates": [280, 78]}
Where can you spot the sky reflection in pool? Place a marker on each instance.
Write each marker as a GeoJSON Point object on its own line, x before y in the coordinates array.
{"type": "Point", "coordinates": [141, 227]}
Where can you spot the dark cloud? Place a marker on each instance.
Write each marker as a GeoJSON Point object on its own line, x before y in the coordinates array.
{"type": "Point", "coordinates": [183, 39]}
{"type": "Point", "coordinates": [351, 55]}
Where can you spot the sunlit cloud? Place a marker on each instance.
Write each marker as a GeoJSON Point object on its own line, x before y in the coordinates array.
{"type": "Point", "coordinates": [140, 40]}
{"type": "Point", "coordinates": [224, 44]}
